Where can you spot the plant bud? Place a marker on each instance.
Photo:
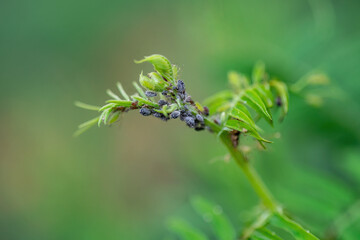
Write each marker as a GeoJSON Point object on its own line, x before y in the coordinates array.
{"type": "Point", "coordinates": [159, 83]}
{"type": "Point", "coordinates": [146, 82]}
{"type": "Point", "coordinates": [161, 64]}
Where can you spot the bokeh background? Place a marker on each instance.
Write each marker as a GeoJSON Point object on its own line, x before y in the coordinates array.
{"type": "Point", "coordinates": [125, 181]}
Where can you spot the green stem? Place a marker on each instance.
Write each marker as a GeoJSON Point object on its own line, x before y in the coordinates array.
{"type": "Point", "coordinates": [251, 174]}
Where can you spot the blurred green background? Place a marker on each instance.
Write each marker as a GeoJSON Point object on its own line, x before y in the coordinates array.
{"type": "Point", "coordinates": [123, 182]}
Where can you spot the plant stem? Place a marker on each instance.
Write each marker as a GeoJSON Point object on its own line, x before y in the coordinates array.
{"type": "Point", "coordinates": [251, 174]}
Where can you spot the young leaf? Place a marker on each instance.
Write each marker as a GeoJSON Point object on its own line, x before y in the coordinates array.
{"type": "Point", "coordinates": [109, 105]}
{"type": "Point", "coordinates": [85, 126]}
{"type": "Point", "coordinates": [119, 103]}
{"type": "Point", "coordinates": [86, 106]}
{"type": "Point", "coordinates": [259, 222]}
{"type": "Point", "coordinates": [282, 91]}
{"type": "Point", "coordinates": [184, 230]}
{"type": "Point", "coordinates": [264, 92]}
{"type": "Point", "coordinates": [114, 117]}
{"type": "Point", "coordinates": [143, 101]}
{"type": "Point", "coordinates": [122, 91]}
{"type": "Point", "coordinates": [139, 89]}
{"type": "Point", "coordinates": [213, 214]}
{"type": "Point", "coordinates": [113, 95]}
{"type": "Point", "coordinates": [102, 116]}
{"type": "Point", "coordinates": [237, 81]}
{"type": "Point", "coordinates": [265, 234]}
{"type": "Point", "coordinates": [254, 101]}
{"type": "Point", "coordinates": [258, 72]}
{"type": "Point", "coordinates": [298, 232]}
{"type": "Point", "coordinates": [161, 65]}
{"type": "Point", "coordinates": [240, 112]}
{"type": "Point", "coordinates": [220, 99]}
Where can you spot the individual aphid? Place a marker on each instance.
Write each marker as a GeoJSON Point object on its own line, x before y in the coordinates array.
{"type": "Point", "coordinates": [158, 115]}
{"type": "Point", "coordinates": [188, 99]}
{"type": "Point", "coordinates": [164, 92]}
{"type": "Point", "coordinates": [145, 111]}
{"type": "Point", "coordinates": [278, 101]}
{"type": "Point", "coordinates": [235, 138]}
{"type": "Point", "coordinates": [199, 128]}
{"type": "Point", "coordinates": [184, 114]}
{"type": "Point", "coordinates": [175, 114]}
{"type": "Point", "coordinates": [199, 118]}
{"type": "Point", "coordinates": [162, 102]}
{"type": "Point", "coordinates": [190, 121]}
{"type": "Point", "coordinates": [206, 111]}
{"type": "Point", "coordinates": [150, 94]}
{"type": "Point", "coordinates": [134, 105]}
{"type": "Point", "coordinates": [181, 86]}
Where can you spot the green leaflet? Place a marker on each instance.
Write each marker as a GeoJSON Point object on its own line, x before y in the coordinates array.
{"type": "Point", "coordinates": [240, 112]}
{"type": "Point", "coordinates": [175, 70]}
{"type": "Point", "coordinates": [161, 64]}
{"type": "Point", "coordinates": [252, 99]}
{"type": "Point", "coordinates": [122, 91]}
{"type": "Point", "coordinates": [218, 100]}
{"type": "Point", "coordinates": [185, 230]}
{"type": "Point", "coordinates": [85, 126]}
{"type": "Point", "coordinates": [237, 81]}
{"type": "Point", "coordinates": [258, 73]}
{"type": "Point", "coordinates": [86, 106]}
{"type": "Point", "coordinates": [118, 103]}
{"type": "Point", "coordinates": [265, 234]}
{"type": "Point", "coordinates": [213, 214]}
{"type": "Point", "coordinates": [282, 91]}
{"type": "Point", "coordinates": [114, 117]}
{"type": "Point", "coordinates": [239, 125]}
{"type": "Point", "coordinates": [292, 227]}
{"type": "Point", "coordinates": [140, 90]}
{"type": "Point", "coordinates": [102, 116]}
{"type": "Point", "coordinates": [113, 95]}
{"type": "Point", "coordinates": [264, 92]}
{"type": "Point", "coordinates": [258, 223]}
{"type": "Point", "coordinates": [143, 101]}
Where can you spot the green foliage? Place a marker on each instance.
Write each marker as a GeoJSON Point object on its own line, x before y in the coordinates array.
{"type": "Point", "coordinates": [229, 114]}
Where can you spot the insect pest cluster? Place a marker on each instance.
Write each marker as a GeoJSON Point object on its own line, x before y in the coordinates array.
{"type": "Point", "coordinates": [162, 95]}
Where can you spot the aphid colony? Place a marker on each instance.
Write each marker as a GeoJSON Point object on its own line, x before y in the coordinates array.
{"type": "Point", "coordinates": [173, 98]}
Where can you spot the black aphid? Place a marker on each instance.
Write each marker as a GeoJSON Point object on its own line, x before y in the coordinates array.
{"type": "Point", "coordinates": [162, 102]}
{"type": "Point", "coordinates": [145, 111]}
{"type": "Point", "coordinates": [184, 114]}
{"type": "Point", "coordinates": [158, 115]}
{"type": "Point", "coordinates": [150, 94]}
{"type": "Point", "coordinates": [199, 118]}
{"type": "Point", "coordinates": [190, 121]}
{"type": "Point", "coordinates": [165, 92]}
{"type": "Point", "coordinates": [278, 101]}
{"type": "Point", "coordinates": [206, 111]}
{"type": "Point", "coordinates": [175, 114]}
{"type": "Point", "coordinates": [181, 86]}
{"type": "Point", "coordinates": [199, 128]}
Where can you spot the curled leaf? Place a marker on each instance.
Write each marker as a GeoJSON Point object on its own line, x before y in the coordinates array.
{"type": "Point", "coordinates": [252, 99]}
{"type": "Point", "coordinates": [161, 64]}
